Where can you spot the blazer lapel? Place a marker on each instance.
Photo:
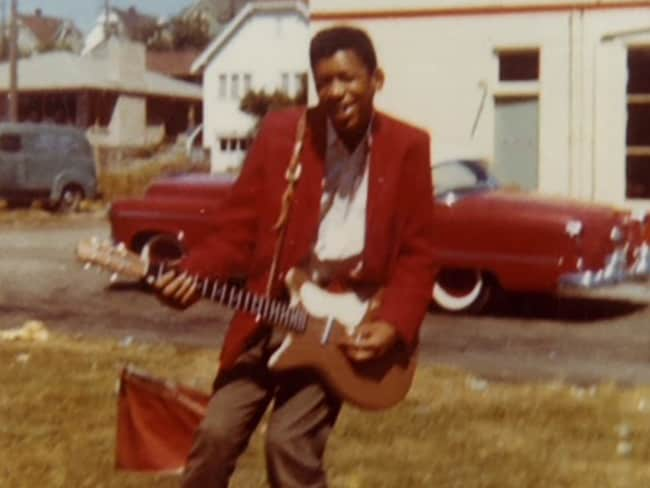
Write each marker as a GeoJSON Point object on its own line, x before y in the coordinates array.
{"type": "Point", "coordinates": [379, 203]}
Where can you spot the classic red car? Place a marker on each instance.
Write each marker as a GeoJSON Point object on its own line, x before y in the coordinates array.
{"type": "Point", "coordinates": [487, 237]}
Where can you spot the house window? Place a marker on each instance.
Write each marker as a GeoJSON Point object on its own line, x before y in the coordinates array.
{"type": "Point", "coordinates": [234, 86]}
{"type": "Point", "coordinates": [637, 164]}
{"type": "Point", "coordinates": [285, 83]}
{"type": "Point", "coordinates": [248, 82]}
{"type": "Point", "coordinates": [223, 86]}
{"type": "Point", "coordinates": [519, 65]}
{"type": "Point", "coordinates": [300, 83]}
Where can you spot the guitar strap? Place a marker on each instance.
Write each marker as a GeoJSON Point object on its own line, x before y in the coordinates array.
{"type": "Point", "coordinates": [292, 175]}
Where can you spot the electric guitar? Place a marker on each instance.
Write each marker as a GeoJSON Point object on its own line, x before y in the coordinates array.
{"type": "Point", "coordinates": [316, 322]}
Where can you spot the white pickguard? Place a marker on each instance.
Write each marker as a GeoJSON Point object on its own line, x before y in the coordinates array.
{"type": "Point", "coordinates": [345, 308]}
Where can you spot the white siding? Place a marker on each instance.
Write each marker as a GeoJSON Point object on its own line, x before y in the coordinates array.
{"type": "Point", "coordinates": [267, 45]}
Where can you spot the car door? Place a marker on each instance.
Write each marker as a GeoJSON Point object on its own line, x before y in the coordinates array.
{"type": "Point", "coordinates": [42, 160]}
{"type": "Point", "coordinates": [12, 164]}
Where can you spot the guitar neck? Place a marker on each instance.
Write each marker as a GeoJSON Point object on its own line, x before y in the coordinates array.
{"type": "Point", "coordinates": [269, 310]}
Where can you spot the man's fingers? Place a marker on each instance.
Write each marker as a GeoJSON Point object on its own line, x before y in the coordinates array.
{"type": "Point", "coordinates": [164, 279]}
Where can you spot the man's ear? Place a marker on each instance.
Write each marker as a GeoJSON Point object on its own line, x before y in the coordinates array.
{"type": "Point", "coordinates": [378, 79]}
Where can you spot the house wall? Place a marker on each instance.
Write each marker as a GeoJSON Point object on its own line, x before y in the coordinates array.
{"type": "Point", "coordinates": [264, 47]}
{"type": "Point", "coordinates": [128, 126]}
{"type": "Point", "coordinates": [442, 73]}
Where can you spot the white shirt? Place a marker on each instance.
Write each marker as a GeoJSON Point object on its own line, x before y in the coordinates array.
{"type": "Point", "coordinates": [342, 230]}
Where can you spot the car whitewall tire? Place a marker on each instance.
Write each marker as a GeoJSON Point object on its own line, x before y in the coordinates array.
{"type": "Point", "coordinates": [470, 299]}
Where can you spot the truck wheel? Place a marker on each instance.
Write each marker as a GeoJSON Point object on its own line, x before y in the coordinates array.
{"type": "Point", "coordinates": [70, 199]}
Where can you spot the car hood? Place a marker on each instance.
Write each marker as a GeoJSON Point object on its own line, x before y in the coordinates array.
{"type": "Point", "coordinates": [507, 201]}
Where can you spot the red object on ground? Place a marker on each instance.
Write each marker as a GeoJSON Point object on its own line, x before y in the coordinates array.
{"type": "Point", "coordinates": [156, 421]}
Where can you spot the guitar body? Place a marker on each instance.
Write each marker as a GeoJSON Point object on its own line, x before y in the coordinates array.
{"type": "Point", "coordinates": [318, 322]}
{"type": "Point", "coordinates": [374, 384]}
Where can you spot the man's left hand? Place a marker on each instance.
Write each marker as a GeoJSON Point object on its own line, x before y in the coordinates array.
{"type": "Point", "coordinates": [371, 340]}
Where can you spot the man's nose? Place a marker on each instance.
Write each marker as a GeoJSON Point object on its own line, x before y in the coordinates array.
{"type": "Point", "coordinates": [337, 89]}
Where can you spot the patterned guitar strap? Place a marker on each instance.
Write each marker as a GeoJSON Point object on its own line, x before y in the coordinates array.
{"type": "Point", "coordinates": [292, 175]}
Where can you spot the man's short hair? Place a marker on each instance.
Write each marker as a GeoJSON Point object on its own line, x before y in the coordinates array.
{"type": "Point", "coordinates": [328, 41]}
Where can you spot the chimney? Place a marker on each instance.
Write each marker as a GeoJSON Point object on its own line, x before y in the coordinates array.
{"type": "Point", "coordinates": [38, 12]}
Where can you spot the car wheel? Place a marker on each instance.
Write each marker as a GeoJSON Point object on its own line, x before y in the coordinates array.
{"type": "Point", "coordinates": [461, 290]}
{"type": "Point", "coordinates": [160, 248]}
{"type": "Point", "coordinates": [70, 199]}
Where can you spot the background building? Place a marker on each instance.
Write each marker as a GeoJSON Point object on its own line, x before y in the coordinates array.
{"type": "Point", "coordinates": [554, 95]}
{"type": "Point", "coordinates": [264, 47]}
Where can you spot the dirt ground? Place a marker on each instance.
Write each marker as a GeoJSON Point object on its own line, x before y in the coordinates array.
{"type": "Point", "coordinates": [524, 338]}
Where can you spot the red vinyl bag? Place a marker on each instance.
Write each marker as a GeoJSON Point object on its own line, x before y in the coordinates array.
{"type": "Point", "coordinates": [156, 422]}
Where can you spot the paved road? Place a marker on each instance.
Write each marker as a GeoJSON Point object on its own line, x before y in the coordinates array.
{"type": "Point", "coordinates": [578, 341]}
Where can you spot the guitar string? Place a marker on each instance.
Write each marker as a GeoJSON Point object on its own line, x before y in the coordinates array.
{"type": "Point", "coordinates": [275, 311]}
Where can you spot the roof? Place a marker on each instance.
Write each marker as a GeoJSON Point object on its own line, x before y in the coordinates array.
{"type": "Point", "coordinates": [172, 63]}
{"type": "Point", "coordinates": [62, 70]}
{"type": "Point", "coordinates": [135, 21]}
{"type": "Point", "coordinates": [45, 29]}
{"type": "Point", "coordinates": [343, 10]}
{"type": "Point", "coordinates": [244, 14]}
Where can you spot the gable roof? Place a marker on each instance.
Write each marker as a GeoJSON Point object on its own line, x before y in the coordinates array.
{"type": "Point", "coordinates": [46, 29]}
{"type": "Point", "coordinates": [135, 21]}
{"type": "Point", "coordinates": [244, 14]}
{"type": "Point", "coordinates": [172, 63]}
{"type": "Point", "coordinates": [62, 70]}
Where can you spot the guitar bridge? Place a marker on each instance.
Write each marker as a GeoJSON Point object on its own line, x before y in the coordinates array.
{"type": "Point", "coordinates": [327, 330]}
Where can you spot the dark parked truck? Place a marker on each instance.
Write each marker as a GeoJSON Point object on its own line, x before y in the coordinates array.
{"type": "Point", "coordinates": [46, 162]}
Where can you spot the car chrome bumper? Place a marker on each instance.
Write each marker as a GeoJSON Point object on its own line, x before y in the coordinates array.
{"type": "Point", "coordinates": [615, 277]}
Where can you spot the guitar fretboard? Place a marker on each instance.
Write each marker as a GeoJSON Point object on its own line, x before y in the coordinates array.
{"type": "Point", "coordinates": [272, 311]}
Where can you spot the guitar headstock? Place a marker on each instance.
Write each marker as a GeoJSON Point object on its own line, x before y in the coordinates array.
{"type": "Point", "coordinates": [116, 259]}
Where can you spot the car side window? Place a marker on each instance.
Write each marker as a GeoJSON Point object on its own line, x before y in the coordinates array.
{"type": "Point", "coordinates": [10, 143]}
{"type": "Point", "coordinates": [453, 176]}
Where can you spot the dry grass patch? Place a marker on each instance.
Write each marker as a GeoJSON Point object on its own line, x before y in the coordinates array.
{"type": "Point", "coordinates": [57, 424]}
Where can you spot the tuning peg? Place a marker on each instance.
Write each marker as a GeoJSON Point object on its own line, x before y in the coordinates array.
{"type": "Point", "coordinates": [121, 248]}
{"type": "Point", "coordinates": [114, 277]}
{"type": "Point", "coordinates": [87, 266]}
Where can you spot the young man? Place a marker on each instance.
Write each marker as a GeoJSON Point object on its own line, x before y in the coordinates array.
{"type": "Point", "coordinates": [361, 219]}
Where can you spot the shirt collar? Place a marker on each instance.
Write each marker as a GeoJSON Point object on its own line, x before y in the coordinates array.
{"type": "Point", "coordinates": [333, 138]}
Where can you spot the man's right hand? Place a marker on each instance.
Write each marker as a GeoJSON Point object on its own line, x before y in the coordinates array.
{"type": "Point", "coordinates": [177, 289]}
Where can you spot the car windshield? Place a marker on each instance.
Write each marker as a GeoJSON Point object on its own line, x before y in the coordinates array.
{"type": "Point", "coordinates": [461, 176]}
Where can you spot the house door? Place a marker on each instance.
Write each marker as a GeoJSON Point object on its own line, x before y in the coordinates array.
{"type": "Point", "coordinates": [516, 151]}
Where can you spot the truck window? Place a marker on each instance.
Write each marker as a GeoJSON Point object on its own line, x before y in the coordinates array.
{"type": "Point", "coordinates": [10, 143]}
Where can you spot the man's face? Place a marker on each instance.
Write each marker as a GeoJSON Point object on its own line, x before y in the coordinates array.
{"type": "Point", "coordinates": [346, 89]}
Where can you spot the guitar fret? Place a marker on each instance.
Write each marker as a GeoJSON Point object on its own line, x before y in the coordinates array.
{"type": "Point", "coordinates": [214, 290]}
{"type": "Point", "coordinates": [247, 299]}
{"type": "Point", "coordinates": [240, 295]}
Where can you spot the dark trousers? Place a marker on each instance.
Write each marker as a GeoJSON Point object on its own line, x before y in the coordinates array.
{"type": "Point", "coordinates": [302, 417]}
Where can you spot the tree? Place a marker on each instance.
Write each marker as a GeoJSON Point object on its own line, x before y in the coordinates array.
{"type": "Point", "coordinates": [259, 103]}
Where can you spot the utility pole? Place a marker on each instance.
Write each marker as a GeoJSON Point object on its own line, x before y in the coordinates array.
{"type": "Point", "coordinates": [107, 25]}
{"type": "Point", "coordinates": [3, 31]}
{"type": "Point", "coordinates": [13, 63]}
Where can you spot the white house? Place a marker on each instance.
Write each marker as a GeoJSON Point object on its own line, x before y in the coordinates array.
{"type": "Point", "coordinates": [554, 95]}
{"type": "Point", "coordinates": [125, 24]}
{"type": "Point", "coordinates": [264, 47]}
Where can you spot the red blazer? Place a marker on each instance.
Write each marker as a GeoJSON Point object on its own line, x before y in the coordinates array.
{"type": "Point", "coordinates": [398, 253]}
